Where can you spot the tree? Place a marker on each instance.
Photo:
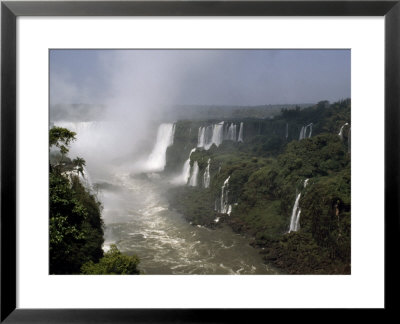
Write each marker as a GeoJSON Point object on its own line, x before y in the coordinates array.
{"type": "Point", "coordinates": [61, 138]}
{"type": "Point", "coordinates": [79, 164]}
{"type": "Point", "coordinates": [113, 262]}
{"type": "Point", "coordinates": [76, 227]}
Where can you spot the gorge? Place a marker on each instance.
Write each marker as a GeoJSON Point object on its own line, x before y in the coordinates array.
{"type": "Point", "coordinates": [233, 196]}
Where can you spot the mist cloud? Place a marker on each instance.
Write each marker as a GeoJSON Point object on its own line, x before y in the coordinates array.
{"type": "Point", "coordinates": [136, 87]}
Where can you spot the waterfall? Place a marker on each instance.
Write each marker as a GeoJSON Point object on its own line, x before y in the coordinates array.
{"type": "Point", "coordinates": [208, 135]}
{"type": "Point", "coordinates": [294, 220]}
{"type": "Point", "coordinates": [231, 133]}
{"type": "Point", "coordinates": [201, 137]}
{"type": "Point", "coordinates": [194, 176]}
{"type": "Point", "coordinates": [287, 130]}
{"type": "Point", "coordinates": [165, 138]}
{"type": "Point", "coordinates": [301, 136]}
{"type": "Point", "coordinates": [310, 125]}
{"type": "Point", "coordinates": [240, 138]}
{"type": "Point", "coordinates": [184, 176]}
{"type": "Point", "coordinates": [85, 179]}
{"type": "Point", "coordinates": [217, 135]}
{"type": "Point", "coordinates": [225, 208]}
{"type": "Point", "coordinates": [297, 223]}
{"type": "Point", "coordinates": [206, 177]}
{"type": "Point", "coordinates": [306, 182]}
{"type": "Point", "coordinates": [212, 134]}
{"type": "Point", "coordinates": [303, 131]}
{"type": "Point", "coordinates": [341, 131]}
{"type": "Point", "coordinates": [186, 168]}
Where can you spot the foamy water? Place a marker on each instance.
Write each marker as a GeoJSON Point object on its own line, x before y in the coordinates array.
{"type": "Point", "coordinates": [138, 220]}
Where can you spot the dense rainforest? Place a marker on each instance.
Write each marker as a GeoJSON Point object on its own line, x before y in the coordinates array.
{"type": "Point", "coordinates": [76, 229]}
{"type": "Point", "coordinates": [284, 181]}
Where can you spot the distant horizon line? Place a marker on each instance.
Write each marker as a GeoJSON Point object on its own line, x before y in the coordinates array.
{"type": "Point", "coordinates": [211, 105]}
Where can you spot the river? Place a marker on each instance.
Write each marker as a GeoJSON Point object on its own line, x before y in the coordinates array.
{"type": "Point", "coordinates": [137, 219]}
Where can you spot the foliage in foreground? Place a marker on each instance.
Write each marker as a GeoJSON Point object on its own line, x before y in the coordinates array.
{"type": "Point", "coordinates": [113, 262]}
{"type": "Point", "coordinates": [76, 233]}
{"type": "Point", "coordinates": [76, 228]}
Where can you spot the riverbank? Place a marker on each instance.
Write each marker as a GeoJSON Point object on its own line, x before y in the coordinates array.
{"type": "Point", "coordinates": [290, 253]}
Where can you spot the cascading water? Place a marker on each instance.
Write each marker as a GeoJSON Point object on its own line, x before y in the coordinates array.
{"type": "Point", "coordinates": [194, 176]}
{"type": "Point", "coordinates": [231, 134]}
{"type": "Point", "coordinates": [310, 125]}
{"type": "Point", "coordinates": [306, 182]}
{"type": "Point", "coordinates": [234, 133]}
{"type": "Point", "coordinates": [217, 135]}
{"type": "Point", "coordinates": [201, 137]}
{"type": "Point", "coordinates": [85, 179]}
{"type": "Point", "coordinates": [341, 130]}
{"type": "Point", "coordinates": [287, 131]}
{"type": "Point", "coordinates": [212, 134]}
{"type": "Point", "coordinates": [295, 218]}
{"type": "Point", "coordinates": [206, 177]}
{"type": "Point", "coordinates": [294, 223]}
{"type": "Point", "coordinates": [303, 131]}
{"type": "Point", "coordinates": [225, 207]}
{"type": "Point", "coordinates": [208, 134]}
{"type": "Point", "coordinates": [184, 176]}
{"type": "Point", "coordinates": [301, 136]}
{"type": "Point", "coordinates": [165, 138]}
{"type": "Point", "coordinates": [297, 224]}
{"type": "Point", "coordinates": [240, 138]}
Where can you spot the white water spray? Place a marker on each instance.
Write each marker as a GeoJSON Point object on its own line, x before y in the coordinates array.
{"type": "Point", "coordinates": [296, 211]}
{"type": "Point", "coordinates": [306, 182]}
{"type": "Point", "coordinates": [303, 131]}
{"type": "Point", "coordinates": [194, 176]}
{"type": "Point", "coordinates": [213, 134]}
{"type": "Point", "coordinates": [225, 207]}
{"type": "Point", "coordinates": [240, 138]}
{"type": "Point", "coordinates": [165, 138]}
{"type": "Point", "coordinates": [185, 174]}
{"type": "Point", "coordinates": [217, 135]}
{"type": "Point", "coordinates": [294, 221]}
{"type": "Point", "coordinates": [206, 177]}
{"type": "Point", "coordinates": [301, 136]}
{"type": "Point", "coordinates": [341, 130]}
{"type": "Point", "coordinates": [201, 137]}
{"type": "Point", "coordinates": [85, 179]}
{"type": "Point", "coordinates": [231, 134]}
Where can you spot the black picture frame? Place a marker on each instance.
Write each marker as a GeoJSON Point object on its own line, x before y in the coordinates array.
{"type": "Point", "coordinates": [10, 10]}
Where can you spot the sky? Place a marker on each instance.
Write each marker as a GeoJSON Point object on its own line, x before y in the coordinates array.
{"type": "Point", "coordinates": [137, 88]}
{"type": "Point", "coordinates": [147, 78]}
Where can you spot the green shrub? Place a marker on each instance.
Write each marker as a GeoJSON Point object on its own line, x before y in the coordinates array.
{"type": "Point", "coordinates": [113, 262]}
